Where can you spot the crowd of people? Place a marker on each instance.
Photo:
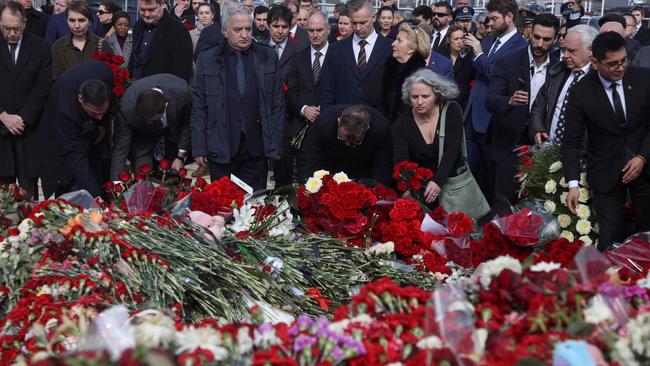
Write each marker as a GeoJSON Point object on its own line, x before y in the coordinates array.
{"type": "Point", "coordinates": [248, 91]}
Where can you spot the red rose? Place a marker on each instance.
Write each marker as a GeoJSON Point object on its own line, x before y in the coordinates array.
{"type": "Point", "coordinates": [117, 59]}
{"type": "Point", "coordinates": [118, 90]}
{"type": "Point", "coordinates": [182, 172]}
{"type": "Point", "coordinates": [125, 177]}
{"type": "Point", "coordinates": [164, 165]}
{"type": "Point", "coordinates": [144, 169]}
{"type": "Point", "coordinates": [200, 182]}
{"type": "Point", "coordinates": [108, 186]}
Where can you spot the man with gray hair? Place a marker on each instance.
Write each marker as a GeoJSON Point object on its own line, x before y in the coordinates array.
{"type": "Point", "coordinates": [547, 119]}
{"type": "Point", "coordinates": [238, 108]}
{"type": "Point", "coordinates": [356, 59]}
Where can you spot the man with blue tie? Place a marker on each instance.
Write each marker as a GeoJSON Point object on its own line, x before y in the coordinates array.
{"type": "Point", "coordinates": [483, 55]}
{"type": "Point", "coordinates": [354, 60]}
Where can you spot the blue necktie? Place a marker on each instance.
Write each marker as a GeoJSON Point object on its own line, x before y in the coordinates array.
{"type": "Point", "coordinates": [241, 74]}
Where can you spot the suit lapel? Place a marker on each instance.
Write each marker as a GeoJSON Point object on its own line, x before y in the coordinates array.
{"type": "Point", "coordinates": [602, 99]}
{"type": "Point", "coordinates": [348, 54]}
{"type": "Point", "coordinates": [157, 39]}
{"type": "Point", "coordinates": [4, 54]}
{"type": "Point", "coordinates": [23, 55]}
{"type": "Point", "coordinates": [289, 50]}
{"type": "Point", "coordinates": [508, 45]}
{"type": "Point", "coordinates": [377, 53]}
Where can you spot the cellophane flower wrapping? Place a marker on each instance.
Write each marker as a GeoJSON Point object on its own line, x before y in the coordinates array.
{"type": "Point", "coordinates": [592, 267]}
{"type": "Point", "coordinates": [633, 254]}
{"type": "Point", "coordinates": [146, 196]}
{"type": "Point", "coordinates": [529, 226]}
{"type": "Point", "coordinates": [110, 332]}
{"type": "Point", "coordinates": [453, 247]}
{"type": "Point", "coordinates": [81, 198]}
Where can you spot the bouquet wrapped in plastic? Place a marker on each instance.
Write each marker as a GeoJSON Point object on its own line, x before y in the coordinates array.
{"type": "Point", "coordinates": [633, 254]}
{"type": "Point", "coordinates": [529, 226]}
{"type": "Point", "coordinates": [147, 196]}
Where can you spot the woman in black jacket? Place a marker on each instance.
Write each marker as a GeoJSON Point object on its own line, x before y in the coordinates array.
{"type": "Point", "coordinates": [410, 50]}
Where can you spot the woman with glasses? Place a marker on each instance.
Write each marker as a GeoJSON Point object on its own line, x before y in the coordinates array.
{"type": "Point", "coordinates": [120, 41]}
{"type": "Point", "coordinates": [558, 50]}
{"type": "Point", "coordinates": [80, 44]}
{"type": "Point", "coordinates": [205, 13]}
{"type": "Point", "coordinates": [410, 50]}
{"type": "Point", "coordinates": [105, 14]}
{"type": "Point", "coordinates": [416, 132]}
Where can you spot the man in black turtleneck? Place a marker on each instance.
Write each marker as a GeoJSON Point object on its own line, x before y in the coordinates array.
{"type": "Point", "coordinates": [36, 21]}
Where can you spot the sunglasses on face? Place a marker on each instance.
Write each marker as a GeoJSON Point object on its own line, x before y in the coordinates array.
{"type": "Point", "coordinates": [441, 15]}
{"type": "Point", "coordinates": [102, 12]}
{"type": "Point", "coordinates": [561, 35]}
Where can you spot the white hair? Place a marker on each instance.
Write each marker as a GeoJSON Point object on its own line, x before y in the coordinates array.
{"type": "Point", "coordinates": [587, 34]}
{"type": "Point", "coordinates": [444, 88]}
{"type": "Point", "coordinates": [230, 8]}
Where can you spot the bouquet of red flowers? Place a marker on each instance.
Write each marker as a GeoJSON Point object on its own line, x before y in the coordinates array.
{"type": "Point", "coordinates": [121, 75]}
{"type": "Point", "coordinates": [412, 178]}
{"type": "Point", "coordinates": [633, 254]}
{"type": "Point", "coordinates": [528, 226]}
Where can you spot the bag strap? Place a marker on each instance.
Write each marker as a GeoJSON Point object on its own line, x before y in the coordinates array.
{"type": "Point", "coordinates": [441, 135]}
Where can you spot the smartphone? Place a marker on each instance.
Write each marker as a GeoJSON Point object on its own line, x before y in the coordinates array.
{"type": "Point", "coordinates": [521, 84]}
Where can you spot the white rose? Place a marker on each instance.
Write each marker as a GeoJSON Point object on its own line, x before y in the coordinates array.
{"type": "Point", "coordinates": [567, 235]}
{"type": "Point", "coordinates": [551, 186]}
{"type": "Point", "coordinates": [549, 206]}
{"type": "Point", "coordinates": [583, 180]}
{"type": "Point", "coordinates": [586, 239]}
{"type": "Point", "coordinates": [583, 227]}
{"type": "Point", "coordinates": [584, 195]}
{"type": "Point", "coordinates": [545, 267]}
{"type": "Point", "coordinates": [555, 167]}
{"type": "Point", "coordinates": [563, 183]}
{"type": "Point", "coordinates": [319, 174]}
{"type": "Point", "coordinates": [313, 185]}
{"type": "Point", "coordinates": [563, 197]}
{"type": "Point", "coordinates": [341, 177]}
{"type": "Point", "coordinates": [583, 211]}
{"type": "Point", "coordinates": [431, 342]}
{"type": "Point", "coordinates": [564, 220]}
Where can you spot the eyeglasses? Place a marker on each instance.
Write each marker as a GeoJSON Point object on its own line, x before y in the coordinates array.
{"type": "Point", "coordinates": [347, 140]}
{"type": "Point", "coordinates": [102, 12]}
{"type": "Point", "coordinates": [441, 15]}
{"type": "Point", "coordinates": [12, 29]}
{"type": "Point", "coordinates": [561, 35]}
{"type": "Point", "coordinates": [613, 66]}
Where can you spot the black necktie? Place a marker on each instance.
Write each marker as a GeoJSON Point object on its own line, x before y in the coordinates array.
{"type": "Point", "coordinates": [12, 52]}
{"type": "Point", "coordinates": [241, 74]}
{"type": "Point", "coordinates": [618, 106]}
{"type": "Point", "coordinates": [361, 62]}
{"type": "Point", "coordinates": [494, 47]}
{"type": "Point", "coordinates": [561, 120]}
{"type": "Point", "coordinates": [436, 41]}
{"type": "Point", "coordinates": [316, 66]}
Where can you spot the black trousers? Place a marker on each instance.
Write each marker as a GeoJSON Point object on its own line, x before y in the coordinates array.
{"type": "Point", "coordinates": [283, 168]}
{"type": "Point", "coordinates": [251, 169]}
{"type": "Point", "coordinates": [610, 211]}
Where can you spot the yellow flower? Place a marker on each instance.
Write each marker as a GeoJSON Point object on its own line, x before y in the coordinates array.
{"type": "Point", "coordinates": [341, 177]}
{"type": "Point", "coordinates": [567, 235]}
{"type": "Point", "coordinates": [551, 186]}
{"type": "Point", "coordinates": [586, 239]}
{"type": "Point", "coordinates": [313, 185]}
{"type": "Point", "coordinates": [583, 227]}
{"type": "Point", "coordinates": [564, 220]}
{"type": "Point", "coordinates": [549, 206]}
{"type": "Point", "coordinates": [583, 212]}
{"type": "Point", "coordinates": [555, 167]}
{"type": "Point", "coordinates": [319, 174]}
{"type": "Point", "coordinates": [584, 195]}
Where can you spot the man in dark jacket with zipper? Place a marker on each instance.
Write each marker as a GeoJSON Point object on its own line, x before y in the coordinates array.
{"type": "Point", "coordinates": [237, 104]}
{"type": "Point", "coordinates": [546, 120]}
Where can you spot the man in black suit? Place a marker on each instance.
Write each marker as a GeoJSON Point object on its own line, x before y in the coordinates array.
{"type": "Point", "coordinates": [350, 139]}
{"type": "Point", "coordinates": [153, 123]}
{"type": "Point", "coordinates": [26, 77]}
{"type": "Point", "coordinates": [295, 32]}
{"type": "Point", "coordinates": [442, 13]}
{"type": "Point", "coordinates": [73, 125]}
{"type": "Point", "coordinates": [548, 114]}
{"type": "Point", "coordinates": [279, 20]}
{"type": "Point", "coordinates": [514, 84]}
{"type": "Point", "coordinates": [160, 44]}
{"type": "Point", "coordinates": [354, 60]}
{"type": "Point", "coordinates": [36, 20]}
{"type": "Point", "coordinates": [617, 23]}
{"type": "Point", "coordinates": [238, 109]}
{"type": "Point", "coordinates": [641, 33]}
{"type": "Point", "coordinates": [611, 105]}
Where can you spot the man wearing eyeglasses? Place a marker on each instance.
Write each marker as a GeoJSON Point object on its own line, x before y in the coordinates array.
{"type": "Point", "coordinates": [351, 139]}
{"type": "Point", "coordinates": [441, 19]}
{"type": "Point", "coordinates": [25, 76]}
{"type": "Point", "coordinates": [611, 105]}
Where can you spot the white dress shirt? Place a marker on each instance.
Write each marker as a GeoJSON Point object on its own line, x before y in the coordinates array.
{"type": "Point", "coordinates": [443, 33]}
{"type": "Point", "coordinates": [503, 39]}
{"type": "Point", "coordinates": [537, 78]}
{"type": "Point", "coordinates": [323, 52]}
{"type": "Point", "coordinates": [371, 39]}
{"type": "Point", "coordinates": [280, 45]}
{"type": "Point", "coordinates": [619, 88]}
{"type": "Point", "coordinates": [560, 99]}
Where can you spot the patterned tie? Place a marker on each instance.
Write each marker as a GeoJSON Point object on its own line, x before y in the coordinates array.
{"type": "Point", "coordinates": [241, 74]}
{"type": "Point", "coordinates": [361, 63]}
{"type": "Point", "coordinates": [618, 106]}
{"type": "Point", "coordinates": [559, 129]}
{"type": "Point", "coordinates": [316, 66]}
{"type": "Point", "coordinates": [12, 52]}
{"type": "Point", "coordinates": [494, 47]}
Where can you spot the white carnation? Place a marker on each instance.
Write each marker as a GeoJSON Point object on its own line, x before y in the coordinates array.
{"type": "Point", "coordinates": [313, 184]}
{"type": "Point", "coordinates": [154, 329]}
{"type": "Point", "coordinates": [493, 268]}
{"type": "Point", "coordinates": [383, 248]}
{"type": "Point", "coordinates": [551, 186]}
{"type": "Point", "coordinates": [550, 206]}
{"type": "Point", "coordinates": [545, 267]}
{"type": "Point", "coordinates": [564, 220]}
{"type": "Point", "coordinates": [431, 342]}
{"type": "Point", "coordinates": [583, 227]}
{"type": "Point", "coordinates": [191, 338]}
{"type": "Point", "coordinates": [244, 340]}
{"type": "Point", "coordinates": [598, 311]}
{"type": "Point", "coordinates": [555, 167]}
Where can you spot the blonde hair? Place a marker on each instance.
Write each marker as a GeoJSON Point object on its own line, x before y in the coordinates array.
{"type": "Point", "coordinates": [419, 38]}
